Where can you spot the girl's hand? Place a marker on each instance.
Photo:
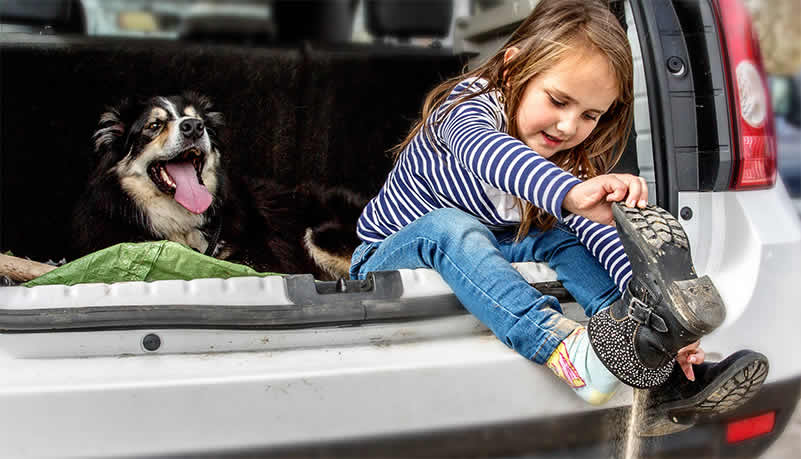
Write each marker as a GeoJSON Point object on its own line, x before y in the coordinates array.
{"type": "Point", "coordinates": [592, 198]}
{"type": "Point", "coordinates": [688, 356]}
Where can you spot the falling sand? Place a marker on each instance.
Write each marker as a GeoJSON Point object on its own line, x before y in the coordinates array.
{"type": "Point", "coordinates": [631, 445]}
{"type": "Point", "coordinates": [621, 434]}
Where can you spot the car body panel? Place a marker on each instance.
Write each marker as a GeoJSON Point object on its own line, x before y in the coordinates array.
{"type": "Point", "coordinates": [437, 383]}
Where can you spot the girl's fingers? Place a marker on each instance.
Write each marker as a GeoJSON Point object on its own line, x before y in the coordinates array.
{"type": "Point", "coordinates": [690, 347]}
{"type": "Point", "coordinates": [688, 356]}
{"type": "Point", "coordinates": [625, 187]}
{"type": "Point", "coordinates": [688, 370]}
{"type": "Point", "coordinates": [619, 189]}
{"type": "Point", "coordinates": [636, 189]}
{"type": "Point", "coordinates": [697, 357]}
{"type": "Point", "coordinates": [643, 201]}
{"type": "Point", "coordinates": [634, 192]}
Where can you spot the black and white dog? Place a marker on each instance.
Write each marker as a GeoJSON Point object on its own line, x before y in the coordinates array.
{"type": "Point", "coordinates": [161, 174]}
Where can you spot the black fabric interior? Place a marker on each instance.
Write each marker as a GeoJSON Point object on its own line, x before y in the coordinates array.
{"type": "Point", "coordinates": [294, 114]}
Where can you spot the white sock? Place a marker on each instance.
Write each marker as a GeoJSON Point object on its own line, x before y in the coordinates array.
{"type": "Point", "coordinates": [574, 362]}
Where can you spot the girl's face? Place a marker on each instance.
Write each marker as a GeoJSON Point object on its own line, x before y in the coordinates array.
{"type": "Point", "coordinates": [561, 106]}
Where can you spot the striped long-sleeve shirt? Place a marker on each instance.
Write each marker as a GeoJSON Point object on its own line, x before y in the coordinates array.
{"type": "Point", "coordinates": [470, 163]}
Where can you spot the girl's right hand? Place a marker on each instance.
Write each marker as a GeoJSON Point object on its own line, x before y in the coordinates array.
{"type": "Point", "coordinates": [690, 355]}
{"type": "Point", "coordinates": [593, 198]}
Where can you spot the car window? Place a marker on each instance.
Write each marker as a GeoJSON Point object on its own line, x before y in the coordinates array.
{"type": "Point", "coordinates": [265, 21]}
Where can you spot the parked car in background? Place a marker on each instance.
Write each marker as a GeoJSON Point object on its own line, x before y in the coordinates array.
{"type": "Point", "coordinates": [392, 366]}
{"type": "Point", "coordinates": [786, 95]}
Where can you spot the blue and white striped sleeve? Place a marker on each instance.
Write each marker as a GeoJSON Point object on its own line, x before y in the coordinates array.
{"type": "Point", "coordinates": [604, 244]}
{"type": "Point", "coordinates": [471, 132]}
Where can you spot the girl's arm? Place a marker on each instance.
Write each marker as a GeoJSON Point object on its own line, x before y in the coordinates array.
{"type": "Point", "coordinates": [471, 131]}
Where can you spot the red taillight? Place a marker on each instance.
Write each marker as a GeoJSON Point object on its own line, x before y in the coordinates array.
{"type": "Point", "coordinates": [753, 134]}
{"type": "Point", "coordinates": [754, 426]}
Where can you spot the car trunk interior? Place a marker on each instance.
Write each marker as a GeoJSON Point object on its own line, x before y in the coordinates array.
{"type": "Point", "coordinates": [313, 107]}
{"type": "Point", "coordinates": [293, 114]}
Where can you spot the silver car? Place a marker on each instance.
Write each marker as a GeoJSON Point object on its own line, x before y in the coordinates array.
{"type": "Point", "coordinates": [391, 366]}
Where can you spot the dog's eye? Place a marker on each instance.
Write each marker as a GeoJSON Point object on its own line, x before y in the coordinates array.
{"type": "Point", "coordinates": [155, 125]}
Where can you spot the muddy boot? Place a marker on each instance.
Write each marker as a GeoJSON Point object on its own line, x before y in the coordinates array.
{"type": "Point", "coordinates": [665, 307]}
{"type": "Point", "coordinates": [718, 388]}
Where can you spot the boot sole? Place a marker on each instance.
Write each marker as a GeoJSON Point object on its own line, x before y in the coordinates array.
{"type": "Point", "coordinates": [732, 388]}
{"type": "Point", "coordinates": [653, 238]}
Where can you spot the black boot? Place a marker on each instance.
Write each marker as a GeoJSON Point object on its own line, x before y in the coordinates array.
{"type": "Point", "coordinates": [718, 388]}
{"type": "Point", "coordinates": [666, 306]}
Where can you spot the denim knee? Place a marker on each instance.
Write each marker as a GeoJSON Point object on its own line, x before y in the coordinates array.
{"type": "Point", "coordinates": [360, 255]}
{"type": "Point", "coordinates": [446, 225]}
{"type": "Point", "coordinates": [555, 241]}
{"type": "Point", "coordinates": [579, 270]}
{"type": "Point", "coordinates": [445, 229]}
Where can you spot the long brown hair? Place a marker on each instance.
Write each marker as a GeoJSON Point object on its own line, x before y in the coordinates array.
{"type": "Point", "coordinates": [553, 29]}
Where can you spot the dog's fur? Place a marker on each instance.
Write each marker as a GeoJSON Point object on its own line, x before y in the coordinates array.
{"type": "Point", "coordinates": [272, 228]}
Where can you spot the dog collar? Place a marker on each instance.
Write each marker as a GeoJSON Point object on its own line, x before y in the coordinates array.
{"type": "Point", "coordinates": [215, 238]}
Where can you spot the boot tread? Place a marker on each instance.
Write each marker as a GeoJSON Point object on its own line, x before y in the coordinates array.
{"type": "Point", "coordinates": [736, 389]}
{"type": "Point", "coordinates": [658, 226]}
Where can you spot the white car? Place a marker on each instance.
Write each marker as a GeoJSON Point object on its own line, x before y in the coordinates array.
{"type": "Point", "coordinates": [392, 366]}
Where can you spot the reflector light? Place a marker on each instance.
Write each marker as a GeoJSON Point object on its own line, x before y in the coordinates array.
{"type": "Point", "coordinates": [753, 100]}
{"type": "Point", "coordinates": [752, 131]}
{"type": "Point", "coordinates": [752, 427]}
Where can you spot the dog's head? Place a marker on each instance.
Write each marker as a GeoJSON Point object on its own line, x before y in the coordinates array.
{"type": "Point", "coordinates": [163, 150]}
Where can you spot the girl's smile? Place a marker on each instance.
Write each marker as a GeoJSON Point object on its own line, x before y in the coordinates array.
{"type": "Point", "coordinates": [551, 140]}
{"type": "Point", "coordinates": [561, 106]}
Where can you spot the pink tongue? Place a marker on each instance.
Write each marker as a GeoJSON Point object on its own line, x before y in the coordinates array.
{"type": "Point", "coordinates": [189, 192]}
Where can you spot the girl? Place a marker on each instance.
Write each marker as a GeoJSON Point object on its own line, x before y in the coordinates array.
{"type": "Point", "coordinates": [508, 164]}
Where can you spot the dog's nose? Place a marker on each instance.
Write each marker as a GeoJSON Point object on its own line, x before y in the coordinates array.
{"type": "Point", "coordinates": [192, 128]}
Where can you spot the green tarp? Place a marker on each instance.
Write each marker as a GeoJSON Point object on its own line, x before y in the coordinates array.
{"type": "Point", "coordinates": [145, 261]}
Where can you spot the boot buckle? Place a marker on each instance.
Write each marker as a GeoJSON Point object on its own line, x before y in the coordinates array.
{"type": "Point", "coordinates": [641, 313]}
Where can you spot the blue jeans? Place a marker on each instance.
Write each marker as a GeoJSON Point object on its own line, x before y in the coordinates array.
{"type": "Point", "coordinates": [475, 263]}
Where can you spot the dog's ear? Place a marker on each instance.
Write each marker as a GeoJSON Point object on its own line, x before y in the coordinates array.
{"type": "Point", "coordinates": [215, 119]}
{"type": "Point", "coordinates": [111, 126]}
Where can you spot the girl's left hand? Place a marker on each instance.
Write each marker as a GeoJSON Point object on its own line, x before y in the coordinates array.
{"type": "Point", "coordinates": [688, 356]}
{"type": "Point", "coordinates": [636, 194]}
{"type": "Point", "coordinates": [593, 198]}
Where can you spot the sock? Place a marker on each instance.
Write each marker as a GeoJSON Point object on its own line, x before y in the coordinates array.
{"type": "Point", "coordinates": [574, 362]}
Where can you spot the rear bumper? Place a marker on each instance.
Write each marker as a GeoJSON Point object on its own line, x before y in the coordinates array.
{"type": "Point", "coordinates": [588, 435]}
{"type": "Point", "coordinates": [459, 396]}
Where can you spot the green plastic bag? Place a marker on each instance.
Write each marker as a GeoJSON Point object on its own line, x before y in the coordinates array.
{"type": "Point", "coordinates": [144, 261]}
